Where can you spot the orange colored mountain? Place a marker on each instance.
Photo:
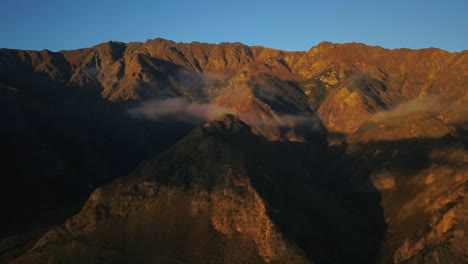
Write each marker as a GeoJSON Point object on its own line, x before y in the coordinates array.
{"type": "Point", "coordinates": [374, 135]}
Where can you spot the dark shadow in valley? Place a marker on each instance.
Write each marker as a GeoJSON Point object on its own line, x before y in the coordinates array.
{"type": "Point", "coordinates": [405, 156]}
{"type": "Point", "coordinates": [403, 159]}
{"type": "Point", "coordinates": [282, 96]}
{"type": "Point", "coordinates": [307, 187]}
{"type": "Point", "coordinates": [59, 143]}
{"type": "Point", "coordinates": [314, 204]}
{"type": "Point", "coordinates": [61, 139]}
{"type": "Point", "coordinates": [323, 198]}
{"type": "Point", "coordinates": [310, 196]}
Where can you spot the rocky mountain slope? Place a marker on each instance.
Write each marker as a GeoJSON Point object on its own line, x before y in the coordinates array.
{"type": "Point", "coordinates": [389, 124]}
{"type": "Point", "coordinates": [221, 195]}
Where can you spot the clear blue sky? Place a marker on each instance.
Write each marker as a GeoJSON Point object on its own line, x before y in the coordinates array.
{"type": "Point", "coordinates": [288, 24]}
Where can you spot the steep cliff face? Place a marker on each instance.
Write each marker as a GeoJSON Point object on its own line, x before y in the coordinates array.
{"type": "Point", "coordinates": [419, 165]}
{"type": "Point", "coordinates": [396, 122]}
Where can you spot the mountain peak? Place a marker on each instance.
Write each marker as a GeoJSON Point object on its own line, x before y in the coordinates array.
{"type": "Point", "coordinates": [324, 45]}
{"type": "Point", "coordinates": [228, 124]}
{"type": "Point", "coordinates": [227, 117]}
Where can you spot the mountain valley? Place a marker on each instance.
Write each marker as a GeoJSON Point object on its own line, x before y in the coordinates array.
{"type": "Point", "coordinates": [165, 152]}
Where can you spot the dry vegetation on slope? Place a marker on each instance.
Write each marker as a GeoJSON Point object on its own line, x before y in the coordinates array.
{"type": "Point", "coordinates": [396, 121]}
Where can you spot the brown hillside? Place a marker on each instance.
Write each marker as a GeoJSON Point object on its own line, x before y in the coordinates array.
{"type": "Point", "coordinates": [374, 135]}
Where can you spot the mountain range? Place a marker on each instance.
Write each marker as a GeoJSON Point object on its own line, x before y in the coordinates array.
{"type": "Point", "coordinates": [164, 152]}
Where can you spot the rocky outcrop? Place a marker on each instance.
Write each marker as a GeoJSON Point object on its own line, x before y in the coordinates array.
{"type": "Point", "coordinates": [396, 127]}
{"type": "Point", "coordinates": [217, 196]}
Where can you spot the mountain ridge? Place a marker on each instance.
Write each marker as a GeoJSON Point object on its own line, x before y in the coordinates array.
{"type": "Point", "coordinates": [391, 124]}
{"type": "Point", "coordinates": [323, 43]}
{"type": "Point", "coordinates": [141, 71]}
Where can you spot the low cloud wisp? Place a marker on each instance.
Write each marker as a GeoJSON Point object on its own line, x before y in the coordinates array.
{"type": "Point", "coordinates": [177, 109]}
{"type": "Point", "coordinates": [407, 108]}
{"type": "Point", "coordinates": [182, 110]}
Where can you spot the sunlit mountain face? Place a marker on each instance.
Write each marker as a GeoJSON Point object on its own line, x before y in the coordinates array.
{"type": "Point", "coordinates": [164, 152]}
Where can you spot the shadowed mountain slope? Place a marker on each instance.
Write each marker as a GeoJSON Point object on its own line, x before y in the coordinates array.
{"type": "Point", "coordinates": [395, 121]}
{"type": "Point", "coordinates": [220, 195]}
